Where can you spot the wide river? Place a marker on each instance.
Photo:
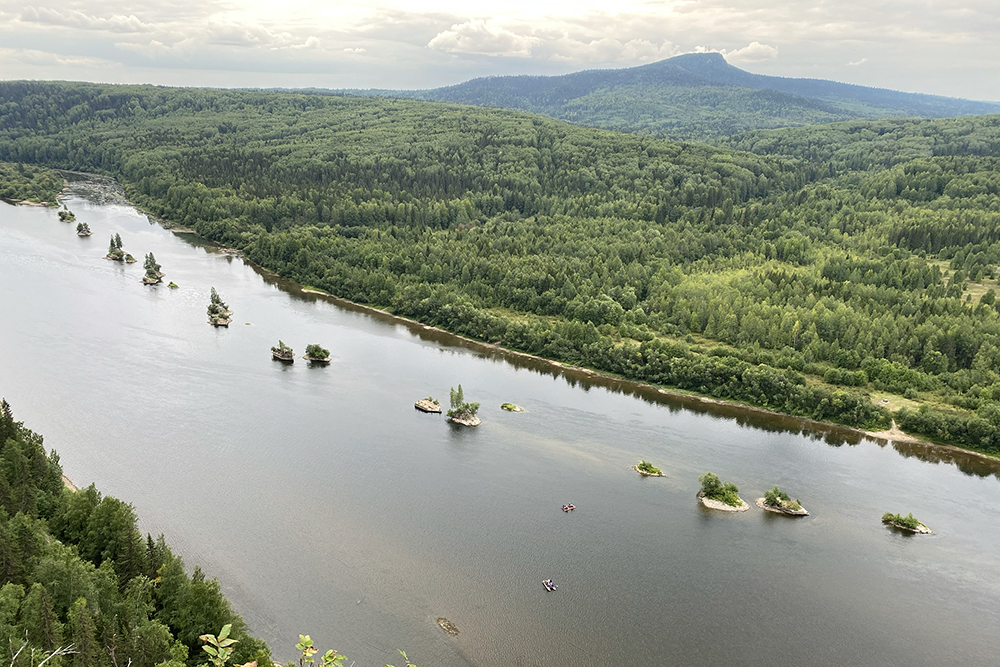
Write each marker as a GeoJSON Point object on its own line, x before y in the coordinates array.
{"type": "Point", "coordinates": [325, 504]}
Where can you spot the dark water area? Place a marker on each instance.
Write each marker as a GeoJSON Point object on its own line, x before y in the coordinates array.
{"type": "Point", "coordinates": [327, 505]}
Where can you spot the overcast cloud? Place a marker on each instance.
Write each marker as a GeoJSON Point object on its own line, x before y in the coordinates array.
{"type": "Point", "coordinates": [933, 46]}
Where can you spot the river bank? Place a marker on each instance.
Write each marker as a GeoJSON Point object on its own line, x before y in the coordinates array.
{"type": "Point", "coordinates": [376, 520]}
{"type": "Point", "coordinates": [112, 192]}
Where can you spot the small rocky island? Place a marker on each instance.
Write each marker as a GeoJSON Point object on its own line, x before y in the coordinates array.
{"type": "Point", "coordinates": [647, 469]}
{"type": "Point", "coordinates": [906, 523]}
{"type": "Point", "coordinates": [115, 252]}
{"type": "Point", "coordinates": [153, 274]}
{"type": "Point", "coordinates": [316, 354]}
{"type": "Point", "coordinates": [283, 353]}
{"type": "Point", "coordinates": [718, 496]}
{"type": "Point", "coordinates": [429, 404]}
{"type": "Point", "coordinates": [83, 229]}
{"type": "Point", "coordinates": [219, 314]}
{"type": "Point", "coordinates": [461, 412]}
{"type": "Point", "coordinates": [510, 407]}
{"type": "Point", "coordinates": [66, 215]}
{"type": "Point", "coordinates": [777, 501]}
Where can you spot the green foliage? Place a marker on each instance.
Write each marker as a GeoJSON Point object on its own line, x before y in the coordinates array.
{"type": "Point", "coordinates": [329, 659]}
{"type": "Point", "coordinates": [217, 308]}
{"type": "Point", "coordinates": [904, 521]}
{"type": "Point", "coordinates": [219, 648]}
{"type": "Point", "coordinates": [152, 268]}
{"type": "Point", "coordinates": [19, 182]}
{"type": "Point", "coordinates": [713, 488]}
{"type": "Point", "coordinates": [460, 409]}
{"type": "Point", "coordinates": [78, 582]}
{"type": "Point", "coordinates": [648, 468]}
{"type": "Point", "coordinates": [796, 277]}
{"type": "Point", "coordinates": [778, 498]}
{"type": "Point", "coordinates": [282, 349]}
{"type": "Point", "coordinates": [67, 216]}
{"type": "Point", "coordinates": [315, 351]}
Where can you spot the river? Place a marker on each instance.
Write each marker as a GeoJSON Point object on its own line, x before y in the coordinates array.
{"type": "Point", "coordinates": [326, 505]}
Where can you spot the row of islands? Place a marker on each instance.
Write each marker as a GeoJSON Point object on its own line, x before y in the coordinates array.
{"type": "Point", "coordinates": [713, 494]}
{"type": "Point", "coordinates": [724, 497]}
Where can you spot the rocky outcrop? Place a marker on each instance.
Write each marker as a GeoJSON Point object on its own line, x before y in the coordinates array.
{"type": "Point", "coordinates": [427, 405]}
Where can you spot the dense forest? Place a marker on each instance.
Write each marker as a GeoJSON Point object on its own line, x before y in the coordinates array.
{"type": "Point", "coordinates": [692, 96]}
{"type": "Point", "coordinates": [844, 273]}
{"type": "Point", "coordinates": [76, 572]}
{"type": "Point", "coordinates": [31, 184]}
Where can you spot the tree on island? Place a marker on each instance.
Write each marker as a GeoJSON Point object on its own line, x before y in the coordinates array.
{"type": "Point", "coordinates": [713, 489]}
{"type": "Point", "coordinates": [283, 352]}
{"type": "Point", "coordinates": [316, 352]}
{"type": "Point", "coordinates": [218, 311]}
{"type": "Point", "coordinates": [115, 249]}
{"type": "Point", "coordinates": [153, 274]}
{"type": "Point", "coordinates": [83, 229]}
{"type": "Point", "coordinates": [67, 216]}
{"type": "Point", "coordinates": [778, 498]}
{"type": "Point", "coordinates": [908, 521]}
{"type": "Point", "coordinates": [150, 264]}
{"type": "Point", "coordinates": [459, 408]}
{"type": "Point", "coordinates": [648, 468]}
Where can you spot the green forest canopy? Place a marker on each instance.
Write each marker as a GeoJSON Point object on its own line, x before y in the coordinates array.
{"type": "Point", "coordinates": [819, 267]}
{"type": "Point", "coordinates": [74, 569]}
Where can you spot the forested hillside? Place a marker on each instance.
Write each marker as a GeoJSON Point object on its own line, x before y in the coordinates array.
{"type": "Point", "coordinates": [30, 184]}
{"type": "Point", "coordinates": [815, 280]}
{"type": "Point", "coordinates": [692, 96]}
{"type": "Point", "coordinates": [75, 572]}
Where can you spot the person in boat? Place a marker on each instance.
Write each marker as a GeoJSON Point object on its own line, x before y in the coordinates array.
{"type": "Point", "coordinates": [565, 508]}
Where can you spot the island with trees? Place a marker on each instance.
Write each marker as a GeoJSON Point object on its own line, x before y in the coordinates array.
{"type": "Point", "coordinates": [219, 314]}
{"type": "Point", "coordinates": [316, 354]}
{"type": "Point", "coordinates": [115, 252]}
{"type": "Point", "coordinates": [510, 407]}
{"type": "Point", "coordinates": [779, 502]}
{"type": "Point", "coordinates": [283, 353]}
{"type": "Point", "coordinates": [462, 412]}
{"type": "Point", "coordinates": [647, 469]}
{"type": "Point", "coordinates": [67, 215]}
{"type": "Point", "coordinates": [153, 274]}
{"type": "Point", "coordinates": [801, 270]}
{"type": "Point", "coordinates": [429, 404]}
{"type": "Point", "coordinates": [716, 495]}
{"type": "Point", "coordinates": [83, 229]}
{"type": "Point", "coordinates": [906, 523]}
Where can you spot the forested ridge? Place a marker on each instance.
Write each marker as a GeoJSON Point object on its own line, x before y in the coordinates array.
{"type": "Point", "coordinates": [75, 572]}
{"type": "Point", "coordinates": [691, 96]}
{"type": "Point", "coordinates": [817, 272]}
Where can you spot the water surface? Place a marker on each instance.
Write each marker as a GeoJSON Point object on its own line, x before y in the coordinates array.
{"type": "Point", "coordinates": [327, 505]}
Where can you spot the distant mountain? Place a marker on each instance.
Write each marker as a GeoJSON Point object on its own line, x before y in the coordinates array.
{"type": "Point", "coordinates": [693, 96]}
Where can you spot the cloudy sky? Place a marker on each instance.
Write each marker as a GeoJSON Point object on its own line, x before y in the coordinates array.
{"type": "Point", "coordinates": [945, 47]}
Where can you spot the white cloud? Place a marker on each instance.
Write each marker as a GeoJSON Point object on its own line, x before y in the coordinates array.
{"type": "Point", "coordinates": [359, 49]}
{"type": "Point", "coordinates": [855, 63]}
{"type": "Point", "coordinates": [754, 52]}
{"type": "Point", "coordinates": [73, 18]}
{"type": "Point", "coordinates": [610, 51]}
{"type": "Point", "coordinates": [483, 38]}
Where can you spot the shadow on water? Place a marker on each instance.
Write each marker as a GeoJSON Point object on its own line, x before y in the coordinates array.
{"type": "Point", "coordinates": [763, 420]}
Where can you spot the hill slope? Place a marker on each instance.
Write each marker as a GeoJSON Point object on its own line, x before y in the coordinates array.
{"type": "Point", "coordinates": [692, 96]}
{"type": "Point", "coordinates": [804, 281]}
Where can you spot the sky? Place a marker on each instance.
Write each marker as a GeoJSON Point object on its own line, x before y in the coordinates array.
{"type": "Point", "coordinates": [942, 47]}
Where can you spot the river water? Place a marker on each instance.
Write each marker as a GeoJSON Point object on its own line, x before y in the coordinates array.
{"type": "Point", "coordinates": [327, 505]}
